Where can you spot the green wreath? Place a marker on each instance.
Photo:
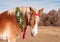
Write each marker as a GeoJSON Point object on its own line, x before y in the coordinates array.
{"type": "Point", "coordinates": [19, 18]}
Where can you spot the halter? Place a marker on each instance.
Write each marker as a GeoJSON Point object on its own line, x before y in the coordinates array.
{"type": "Point", "coordinates": [37, 15]}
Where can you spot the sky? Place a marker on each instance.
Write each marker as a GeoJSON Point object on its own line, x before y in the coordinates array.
{"type": "Point", "coordinates": [46, 4]}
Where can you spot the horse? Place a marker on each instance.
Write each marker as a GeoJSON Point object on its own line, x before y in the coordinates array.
{"type": "Point", "coordinates": [9, 27]}
{"type": "Point", "coordinates": [34, 20]}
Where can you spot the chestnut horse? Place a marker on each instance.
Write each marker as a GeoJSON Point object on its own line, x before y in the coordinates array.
{"type": "Point", "coordinates": [9, 28]}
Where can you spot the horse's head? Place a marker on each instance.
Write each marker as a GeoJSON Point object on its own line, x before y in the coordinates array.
{"type": "Point", "coordinates": [35, 15]}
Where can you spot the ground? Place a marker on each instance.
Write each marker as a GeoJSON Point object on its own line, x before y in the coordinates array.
{"type": "Point", "coordinates": [46, 34]}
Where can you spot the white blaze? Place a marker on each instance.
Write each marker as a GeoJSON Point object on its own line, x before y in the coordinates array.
{"type": "Point", "coordinates": [35, 29]}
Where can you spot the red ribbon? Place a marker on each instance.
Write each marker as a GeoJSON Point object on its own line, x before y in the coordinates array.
{"type": "Point", "coordinates": [36, 15]}
{"type": "Point", "coordinates": [24, 33]}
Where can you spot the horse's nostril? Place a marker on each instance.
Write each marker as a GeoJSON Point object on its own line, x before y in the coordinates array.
{"type": "Point", "coordinates": [32, 33]}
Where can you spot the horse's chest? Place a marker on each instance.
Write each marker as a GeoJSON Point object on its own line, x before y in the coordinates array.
{"type": "Point", "coordinates": [5, 34]}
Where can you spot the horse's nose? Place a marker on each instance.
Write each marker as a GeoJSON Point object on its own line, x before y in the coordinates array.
{"type": "Point", "coordinates": [34, 32]}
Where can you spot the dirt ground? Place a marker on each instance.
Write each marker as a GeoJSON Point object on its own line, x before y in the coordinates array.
{"type": "Point", "coordinates": [45, 34]}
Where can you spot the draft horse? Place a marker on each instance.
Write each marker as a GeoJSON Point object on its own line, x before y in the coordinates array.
{"type": "Point", "coordinates": [9, 27]}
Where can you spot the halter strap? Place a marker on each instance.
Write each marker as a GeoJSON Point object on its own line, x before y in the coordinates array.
{"type": "Point", "coordinates": [24, 33]}
{"type": "Point", "coordinates": [36, 15]}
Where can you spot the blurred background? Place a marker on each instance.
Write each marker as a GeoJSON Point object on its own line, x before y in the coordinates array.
{"type": "Point", "coordinates": [46, 4]}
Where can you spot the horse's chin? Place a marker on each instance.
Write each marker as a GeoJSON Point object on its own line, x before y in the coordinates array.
{"type": "Point", "coordinates": [33, 35]}
{"type": "Point", "coordinates": [34, 32]}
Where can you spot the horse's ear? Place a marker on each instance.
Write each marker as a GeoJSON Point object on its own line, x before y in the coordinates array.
{"type": "Point", "coordinates": [41, 10]}
{"type": "Point", "coordinates": [31, 9]}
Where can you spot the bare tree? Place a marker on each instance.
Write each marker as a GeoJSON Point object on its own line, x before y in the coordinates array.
{"type": "Point", "coordinates": [52, 17]}
{"type": "Point", "coordinates": [58, 21]}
